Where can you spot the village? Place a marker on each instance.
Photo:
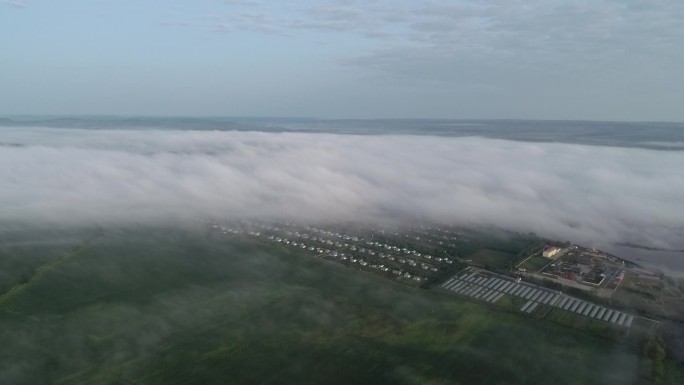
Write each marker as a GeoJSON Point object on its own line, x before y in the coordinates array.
{"type": "Point", "coordinates": [411, 265]}
{"type": "Point", "coordinates": [454, 260]}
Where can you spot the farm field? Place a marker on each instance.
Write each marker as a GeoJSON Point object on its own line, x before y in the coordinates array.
{"type": "Point", "coordinates": [534, 263]}
{"type": "Point", "coordinates": [183, 305]}
{"type": "Point", "coordinates": [491, 258]}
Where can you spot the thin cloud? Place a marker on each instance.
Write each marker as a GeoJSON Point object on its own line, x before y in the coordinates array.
{"type": "Point", "coordinates": [605, 27]}
{"type": "Point", "coordinates": [243, 2]}
{"type": "Point", "coordinates": [484, 47]}
{"type": "Point", "coordinates": [19, 4]}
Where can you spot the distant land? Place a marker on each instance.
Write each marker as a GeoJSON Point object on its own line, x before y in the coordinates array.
{"type": "Point", "coordinates": [648, 135]}
{"type": "Point", "coordinates": [636, 246]}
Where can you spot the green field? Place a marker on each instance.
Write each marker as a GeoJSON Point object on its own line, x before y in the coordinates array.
{"type": "Point", "coordinates": [494, 259]}
{"type": "Point", "coordinates": [534, 263]}
{"type": "Point", "coordinates": [188, 306]}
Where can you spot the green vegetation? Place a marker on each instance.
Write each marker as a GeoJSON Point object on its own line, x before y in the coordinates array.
{"type": "Point", "coordinates": [673, 373]}
{"type": "Point", "coordinates": [511, 303]}
{"type": "Point", "coordinates": [501, 251]}
{"type": "Point", "coordinates": [189, 306]}
{"type": "Point", "coordinates": [534, 263]}
{"type": "Point", "coordinates": [491, 259]}
{"type": "Point", "coordinates": [654, 352]}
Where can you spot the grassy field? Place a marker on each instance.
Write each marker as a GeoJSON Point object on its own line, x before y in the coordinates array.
{"type": "Point", "coordinates": [491, 258]}
{"type": "Point", "coordinates": [187, 306]}
{"type": "Point", "coordinates": [534, 263]}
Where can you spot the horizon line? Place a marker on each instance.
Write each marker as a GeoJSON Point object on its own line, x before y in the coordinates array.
{"type": "Point", "coordinates": [209, 117]}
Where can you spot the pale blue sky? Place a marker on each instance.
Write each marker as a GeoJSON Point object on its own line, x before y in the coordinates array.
{"type": "Point", "coordinates": [545, 59]}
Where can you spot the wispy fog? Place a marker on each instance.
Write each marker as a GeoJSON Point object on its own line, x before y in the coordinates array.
{"type": "Point", "coordinates": [590, 194]}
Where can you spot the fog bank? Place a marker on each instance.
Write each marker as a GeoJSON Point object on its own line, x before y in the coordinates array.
{"type": "Point", "coordinates": [589, 194]}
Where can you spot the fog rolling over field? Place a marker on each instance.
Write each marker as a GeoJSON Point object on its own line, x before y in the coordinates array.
{"type": "Point", "coordinates": [595, 195]}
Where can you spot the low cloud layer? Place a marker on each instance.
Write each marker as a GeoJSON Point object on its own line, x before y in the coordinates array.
{"type": "Point", "coordinates": [590, 194]}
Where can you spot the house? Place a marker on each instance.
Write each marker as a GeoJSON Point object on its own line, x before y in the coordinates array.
{"type": "Point", "coordinates": [550, 251]}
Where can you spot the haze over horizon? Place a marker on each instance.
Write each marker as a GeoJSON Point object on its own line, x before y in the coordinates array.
{"type": "Point", "coordinates": [601, 60]}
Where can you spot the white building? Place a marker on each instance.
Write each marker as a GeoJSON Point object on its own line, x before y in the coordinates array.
{"type": "Point", "coordinates": [550, 251]}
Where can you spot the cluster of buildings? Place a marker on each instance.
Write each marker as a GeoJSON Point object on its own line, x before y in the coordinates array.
{"type": "Point", "coordinates": [535, 300]}
{"type": "Point", "coordinates": [363, 252]}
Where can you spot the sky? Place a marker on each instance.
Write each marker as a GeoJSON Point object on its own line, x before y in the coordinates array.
{"type": "Point", "coordinates": [528, 59]}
